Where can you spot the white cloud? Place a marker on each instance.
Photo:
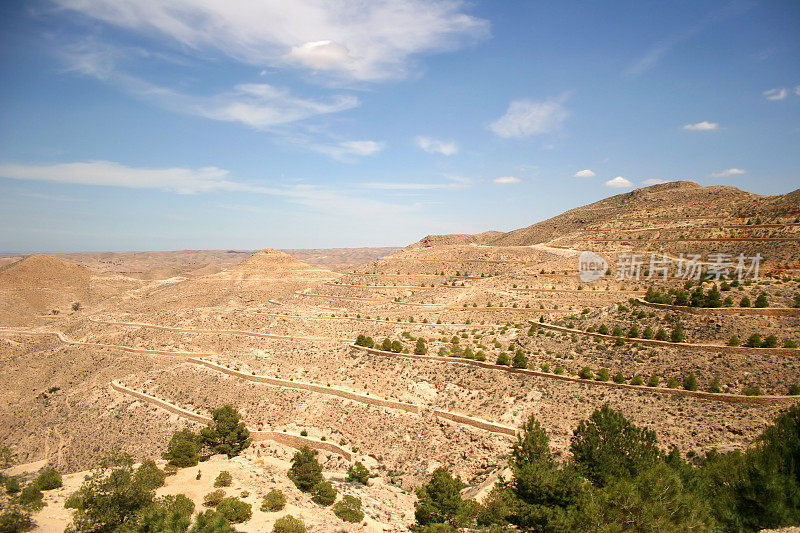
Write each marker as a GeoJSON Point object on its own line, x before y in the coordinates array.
{"type": "Point", "coordinates": [258, 105]}
{"type": "Point", "coordinates": [507, 180]}
{"type": "Point", "coordinates": [344, 151]}
{"type": "Point", "coordinates": [775, 94]}
{"type": "Point", "coordinates": [435, 146]}
{"type": "Point", "coordinates": [108, 173]}
{"type": "Point", "coordinates": [323, 55]}
{"type": "Point", "coordinates": [797, 90]}
{"type": "Point", "coordinates": [525, 118]}
{"type": "Point", "coordinates": [399, 186]}
{"type": "Point", "coordinates": [654, 181]}
{"type": "Point", "coordinates": [587, 173]}
{"type": "Point", "coordinates": [619, 183]}
{"type": "Point", "coordinates": [702, 126]}
{"type": "Point", "coordinates": [728, 172]}
{"type": "Point", "coordinates": [359, 40]}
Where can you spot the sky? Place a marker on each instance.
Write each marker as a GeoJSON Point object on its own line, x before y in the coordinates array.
{"type": "Point", "coordinates": [241, 124]}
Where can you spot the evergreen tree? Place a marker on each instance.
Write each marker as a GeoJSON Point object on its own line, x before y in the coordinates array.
{"type": "Point", "coordinates": [226, 433]}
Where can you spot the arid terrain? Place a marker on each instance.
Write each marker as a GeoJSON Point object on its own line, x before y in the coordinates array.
{"type": "Point", "coordinates": [118, 350]}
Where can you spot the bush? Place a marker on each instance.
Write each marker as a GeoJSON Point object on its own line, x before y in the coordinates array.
{"type": "Point", "coordinates": [210, 521]}
{"type": "Point", "coordinates": [672, 383]}
{"type": "Point", "coordinates": [633, 332]}
{"type": "Point", "coordinates": [619, 378]}
{"type": "Point", "coordinates": [715, 386]}
{"type": "Point", "coordinates": [770, 342]}
{"type": "Point", "coordinates": [603, 375]}
{"type": "Point", "coordinates": [227, 433]}
{"type": "Point", "coordinates": [558, 370]}
{"type": "Point", "coordinates": [213, 498]}
{"type": "Point", "coordinates": [761, 301]}
{"type": "Point", "coordinates": [637, 380]}
{"type": "Point", "coordinates": [357, 473]}
{"type": "Point", "coordinates": [420, 348]}
{"type": "Point", "coordinates": [149, 476]}
{"type": "Point", "coordinates": [439, 501]}
{"type": "Point", "coordinates": [349, 509]}
{"type": "Point", "coordinates": [323, 493]}
{"type": "Point", "coordinates": [305, 472]}
{"type": "Point", "coordinates": [794, 390]}
{"type": "Point", "coordinates": [235, 510]}
{"type": "Point", "coordinates": [274, 501]}
{"type": "Point", "coordinates": [677, 334]}
{"type": "Point", "coordinates": [661, 334]}
{"type": "Point", "coordinates": [224, 479]}
{"type": "Point", "coordinates": [734, 341]}
{"type": "Point", "coordinates": [603, 329]}
{"type": "Point", "coordinates": [647, 333]}
{"type": "Point", "coordinates": [585, 373]}
{"type": "Point", "coordinates": [520, 361]}
{"type": "Point", "coordinates": [15, 518]}
{"type": "Point", "coordinates": [653, 381]}
{"type": "Point", "coordinates": [789, 343]}
{"type": "Point", "coordinates": [48, 479]}
{"type": "Point", "coordinates": [31, 497]}
{"type": "Point", "coordinates": [754, 341]}
{"type": "Point", "coordinates": [690, 382]}
{"type": "Point", "coordinates": [183, 449]}
{"type": "Point", "coordinates": [288, 524]}
{"type": "Point", "coordinates": [751, 391]}
{"type": "Point", "coordinates": [12, 485]}
{"type": "Point", "coordinates": [745, 302]}
{"type": "Point", "coordinates": [503, 360]}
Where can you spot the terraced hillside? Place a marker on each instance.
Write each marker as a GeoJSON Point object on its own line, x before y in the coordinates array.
{"type": "Point", "coordinates": [430, 356]}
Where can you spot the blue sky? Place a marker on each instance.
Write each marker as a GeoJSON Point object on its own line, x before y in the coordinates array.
{"type": "Point", "coordinates": [201, 124]}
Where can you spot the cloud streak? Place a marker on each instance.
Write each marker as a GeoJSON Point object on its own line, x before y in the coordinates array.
{"type": "Point", "coordinates": [435, 146]}
{"type": "Point", "coordinates": [728, 172]}
{"type": "Point", "coordinates": [526, 118]}
{"type": "Point", "coordinates": [363, 41]}
{"type": "Point", "coordinates": [702, 126]}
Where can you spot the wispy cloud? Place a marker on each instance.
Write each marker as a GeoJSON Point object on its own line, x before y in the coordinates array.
{"type": "Point", "coordinates": [728, 172]}
{"type": "Point", "coordinates": [525, 118]}
{"type": "Point", "coordinates": [110, 174]}
{"type": "Point", "coordinates": [367, 41]}
{"type": "Point", "coordinates": [586, 173]}
{"type": "Point", "coordinates": [410, 186]}
{"type": "Point", "coordinates": [776, 94]}
{"type": "Point", "coordinates": [507, 180]}
{"type": "Point", "coordinates": [663, 47]}
{"type": "Point", "coordinates": [619, 183]}
{"type": "Point", "coordinates": [435, 146]}
{"type": "Point", "coordinates": [654, 181]}
{"type": "Point", "coordinates": [702, 126]}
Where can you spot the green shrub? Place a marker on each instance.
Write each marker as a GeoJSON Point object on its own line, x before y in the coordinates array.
{"type": "Point", "coordinates": [715, 386]}
{"type": "Point", "coordinates": [520, 360]}
{"type": "Point", "coordinates": [558, 370]}
{"type": "Point", "coordinates": [213, 498]}
{"type": "Point", "coordinates": [677, 334]}
{"type": "Point", "coordinates": [323, 493]}
{"type": "Point", "coordinates": [761, 301]}
{"type": "Point", "coordinates": [149, 476]}
{"type": "Point", "coordinates": [274, 501]}
{"type": "Point", "coordinates": [288, 524]}
{"type": "Point", "coordinates": [357, 473]}
{"type": "Point", "coordinates": [653, 381]}
{"type": "Point", "coordinates": [751, 391]}
{"type": "Point", "coordinates": [789, 343]}
{"type": "Point", "coordinates": [734, 341]}
{"type": "Point", "coordinates": [224, 479]}
{"type": "Point", "coordinates": [349, 509]}
{"type": "Point", "coordinates": [770, 342]}
{"type": "Point", "coordinates": [503, 360]}
{"type": "Point", "coordinates": [690, 382]}
{"type": "Point", "coordinates": [545, 368]}
{"type": "Point", "coordinates": [235, 510]}
{"type": "Point", "coordinates": [15, 517]}
{"type": "Point", "coordinates": [754, 341]}
{"type": "Point", "coordinates": [585, 373]}
{"type": "Point", "coordinates": [12, 485]}
{"type": "Point", "coordinates": [672, 383]}
{"type": "Point", "coordinates": [31, 497]}
{"type": "Point", "coordinates": [619, 378]}
{"type": "Point", "coordinates": [637, 380]}
{"type": "Point", "coordinates": [794, 390]}
{"type": "Point", "coordinates": [745, 302]}
{"type": "Point", "coordinates": [603, 375]}
{"type": "Point", "coordinates": [48, 479]}
{"type": "Point", "coordinates": [227, 433]}
{"type": "Point", "coordinates": [305, 471]}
